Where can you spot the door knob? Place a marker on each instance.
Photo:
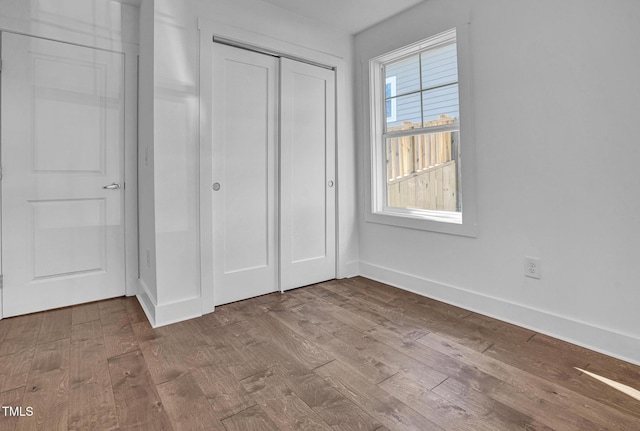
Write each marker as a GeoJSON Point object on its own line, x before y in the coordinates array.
{"type": "Point", "coordinates": [216, 187]}
{"type": "Point", "coordinates": [112, 186]}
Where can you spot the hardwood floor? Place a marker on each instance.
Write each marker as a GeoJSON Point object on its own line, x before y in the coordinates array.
{"type": "Point", "coordinates": [343, 355]}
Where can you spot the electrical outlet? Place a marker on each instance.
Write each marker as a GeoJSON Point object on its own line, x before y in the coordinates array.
{"type": "Point", "coordinates": [532, 267]}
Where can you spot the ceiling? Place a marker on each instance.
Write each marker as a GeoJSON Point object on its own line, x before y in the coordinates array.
{"type": "Point", "coordinates": [350, 15]}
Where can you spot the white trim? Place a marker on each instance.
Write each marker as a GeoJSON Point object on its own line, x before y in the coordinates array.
{"type": "Point", "coordinates": [211, 29]}
{"type": "Point", "coordinates": [262, 50]}
{"type": "Point", "coordinates": [432, 129]}
{"type": "Point", "coordinates": [145, 298]}
{"type": "Point", "coordinates": [444, 38]}
{"type": "Point", "coordinates": [165, 314]}
{"type": "Point", "coordinates": [422, 215]}
{"type": "Point", "coordinates": [178, 311]}
{"type": "Point", "coordinates": [68, 42]}
{"type": "Point", "coordinates": [130, 168]}
{"type": "Point", "coordinates": [204, 198]}
{"type": "Point", "coordinates": [607, 341]}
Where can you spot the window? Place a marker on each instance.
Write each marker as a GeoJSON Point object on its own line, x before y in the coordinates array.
{"type": "Point", "coordinates": [416, 130]}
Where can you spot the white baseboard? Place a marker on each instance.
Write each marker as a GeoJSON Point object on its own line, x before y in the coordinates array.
{"type": "Point", "coordinates": [165, 314]}
{"type": "Point", "coordinates": [612, 343]}
{"type": "Point", "coordinates": [147, 302]}
{"type": "Point", "coordinates": [178, 311]}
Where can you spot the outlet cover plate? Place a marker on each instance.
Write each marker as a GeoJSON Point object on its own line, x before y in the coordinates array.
{"type": "Point", "coordinates": [532, 267]}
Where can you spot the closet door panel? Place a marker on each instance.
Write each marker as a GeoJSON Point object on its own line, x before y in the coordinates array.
{"type": "Point", "coordinates": [244, 174]}
{"type": "Point", "coordinates": [307, 174]}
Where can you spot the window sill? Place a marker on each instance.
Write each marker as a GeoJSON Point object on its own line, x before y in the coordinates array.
{"type": "Point", "coordinates": [435, 221]}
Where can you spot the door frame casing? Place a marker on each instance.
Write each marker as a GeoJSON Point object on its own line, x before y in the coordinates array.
{"type": "Point", "coordinates": [130, 53]}
{"type": "Point", "coordinates": [207, 31]}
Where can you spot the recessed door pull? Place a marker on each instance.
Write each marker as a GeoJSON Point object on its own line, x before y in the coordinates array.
{"type": "Point", "coordinates": [216, 187]}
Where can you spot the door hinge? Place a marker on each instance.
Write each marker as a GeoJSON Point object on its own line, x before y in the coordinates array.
{"type": "Point", "coordinates": [0, 65]}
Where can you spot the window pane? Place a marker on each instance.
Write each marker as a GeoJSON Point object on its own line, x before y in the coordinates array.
{"type": "Point", "coordinates": [439, 66]}
{"type": "Point", "coordinates": [440, 104]}
{"type": "Point", "coordinates": [422, 171]}
{"type": "Point", "coordinates": [406, 74]}
{"type": "Point", "coordinates": [389, 93]}
{"type": "Point", "coordinates": [406, 112]}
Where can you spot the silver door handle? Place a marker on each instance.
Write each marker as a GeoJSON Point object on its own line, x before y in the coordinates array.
{"type": "Point", "coordinates": [113, 186]}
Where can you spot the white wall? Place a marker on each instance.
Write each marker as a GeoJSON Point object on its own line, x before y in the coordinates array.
{"type": "Point", "coordinates": [97, 23]}
{"type": "Point", "coordinates": [555, 96]}
{"type": "Point", "coordinates": [176, 131]}
{"type": "Point", "coordinates": [147, 292]}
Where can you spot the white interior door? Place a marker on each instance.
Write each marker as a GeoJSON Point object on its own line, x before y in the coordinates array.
{"type": "Point", "coordinates": [244, 166]}
{"type": "Point", "coordinates": [62, 143]}
{"type": "Point", "coordinates": [307, 175]}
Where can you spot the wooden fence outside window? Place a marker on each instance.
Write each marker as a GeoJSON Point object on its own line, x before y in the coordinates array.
{"type": "Point", "coordinates": [421, 168]}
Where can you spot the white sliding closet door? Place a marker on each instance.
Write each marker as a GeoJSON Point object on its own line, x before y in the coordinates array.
{"type": "Point", "coordinates": [272, 175]}
{"type": "Point", "coordinates": [307, 175]}
{"type": "Point", "coordinates": [244, 174]}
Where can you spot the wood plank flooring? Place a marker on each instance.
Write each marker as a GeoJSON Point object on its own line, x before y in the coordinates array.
{"type": "Point", "coordinates": [342, 355]}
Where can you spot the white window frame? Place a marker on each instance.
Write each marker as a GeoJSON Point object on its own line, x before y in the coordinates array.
{"type": "Point", "coordinates": [460, 223]}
